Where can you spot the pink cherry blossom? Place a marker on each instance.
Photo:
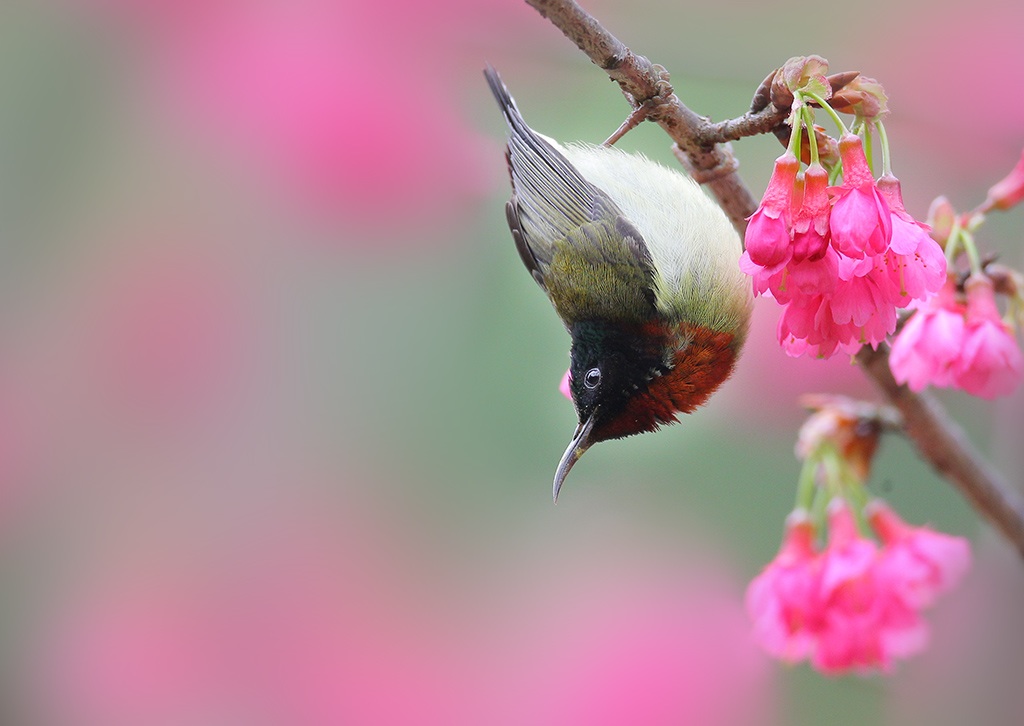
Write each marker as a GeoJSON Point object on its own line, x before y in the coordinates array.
{"type": "Point", "coordinates": [923, 563]}
{"type": "Point", "coordinates": [860, 221]}
{"type": "Point", "coordinates": [810, 223]}
{"type": "Point", "coordinates": [866, 301]}
{"type": "Point", "coordinates": [846, 271]}
{"type": "Point", "coordinates": [796, 280]}
{"type": "Point", "coordinates": [906, 231]}
{"type": "Point", "coordinates": [948, 344]}
{"type": "Point", "coordinates": [930, 343]}
{"type": "Point", "coordinates": [919, 274]}
{"type": "Point", "coordinates": [782, 600]}
{"type": "Point", "coordinates": [990, 363]}
{"type": "Point", "coordinates": [854, 606]}
{"type": "Point", "coordinates": [767, 238]}
{"type": "Point", "coordinates": [859, 311]}
{"type": "Point", "coordinates": [866, 624]}
{"type": "Point", "coordinates": [835, 303]}
{"type": "Point", "coordinates": [768, 242]}
{"type": "Point", "coordinates": [915, 261]}
{"type": "Point", "coordinates": [808, 326]}
{"type": "Point", "coordinates": [813, 276]}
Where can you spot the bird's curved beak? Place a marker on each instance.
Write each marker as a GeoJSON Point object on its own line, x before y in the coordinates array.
{"type": "Point", "coordinates": [579, 444]}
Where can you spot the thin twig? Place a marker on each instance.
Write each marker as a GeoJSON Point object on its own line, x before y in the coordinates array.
{"type": "Point", "coordinates": [635, 118]}
{"type": "Point", "coordinates": [937, 437]}
{"type": "Point", "coordinates": [749, 124]}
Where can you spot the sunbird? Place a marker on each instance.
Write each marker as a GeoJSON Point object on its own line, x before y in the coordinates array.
{"type": "Point", "coordinates": [643, 269]}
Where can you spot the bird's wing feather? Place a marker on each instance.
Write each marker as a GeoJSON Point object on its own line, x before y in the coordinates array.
{"type": "Point", "coordinates": [573, 238]}
{"type": "Point", "coordinates": [600, 270]}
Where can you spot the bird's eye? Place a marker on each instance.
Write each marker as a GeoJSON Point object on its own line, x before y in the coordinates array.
{"type": "Point", "coordinates": [592, 378]}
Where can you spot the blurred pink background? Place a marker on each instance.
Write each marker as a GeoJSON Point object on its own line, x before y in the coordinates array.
{"type": "Point", "coordinates": [279, 406]}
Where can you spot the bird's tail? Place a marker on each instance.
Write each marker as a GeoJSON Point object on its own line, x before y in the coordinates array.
{"type": "Point", "coordinates": [507, 104]}
{"type": "Point", "coordinates": [551, 196]}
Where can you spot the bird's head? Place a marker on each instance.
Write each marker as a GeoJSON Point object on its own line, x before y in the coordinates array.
{"type": "Point", "coordinates": [610, 367]}
{"type": "Point", "coordinates": [628, 380]}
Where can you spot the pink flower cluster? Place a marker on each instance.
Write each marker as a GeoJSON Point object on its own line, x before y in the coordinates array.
{"type": "Point", "coordinates": [951, 343]}
{"type": "Point", "coordinates": [841, 259]}
{"type": "Point", "coordinates": [853, 605]}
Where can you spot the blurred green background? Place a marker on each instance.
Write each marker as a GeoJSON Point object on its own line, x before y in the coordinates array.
{"type": "Point", "coordinates": [279, 406]}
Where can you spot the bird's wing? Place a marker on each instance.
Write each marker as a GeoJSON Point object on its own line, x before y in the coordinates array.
{"type": "Point", "coordinates": [600, 270]}
{"type": "Point", "coordinates": [588, 257]}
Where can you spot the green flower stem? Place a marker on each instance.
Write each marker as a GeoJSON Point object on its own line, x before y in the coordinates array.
{"type": "Point", "coordinates": [819, 505]}
{"type": "Point", "coordinates": [794, 135]}
{"type": "Point", "coordinates": [967, 239]}
{"type": "Point", "coordinates": [845, 484]}
{"type": "Point", "coordinates": [1015, 312]}
{"type": "Point", "coordinates": [833, 465]}
{"type": "Point", "coordinates": [962, 236]}
{"type": "Point", "coordinates": [883, 138]}
{"type": "Point", "coordinates": [805, 487]}
{"type": "Point", "coordinates": [953, 244]}
{"type": "Point", "coordinates": [811, 138]}
{"type": "Point", "coordinates": [857, 495]}
{"type": "Point", "coordinates": [868, 144]}
{"type": "Point", "coordinates": [831, 111]}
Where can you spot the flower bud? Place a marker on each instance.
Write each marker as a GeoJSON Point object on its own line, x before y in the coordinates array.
{"type": "Point", "coordinates": [1009, 190]}
{"type": "Point", "coordinates": [864, 97]}
{"type": "Point", "coordinates": [801, 73]}
{"type": "Point", "coordinates": [941, 218]}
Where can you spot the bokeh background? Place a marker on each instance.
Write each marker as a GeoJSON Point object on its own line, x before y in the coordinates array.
{"type": "Point", "coordinates": [279, 407]}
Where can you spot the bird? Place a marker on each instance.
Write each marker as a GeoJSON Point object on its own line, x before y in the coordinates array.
{"type": "Point", "coordinates": [641, 266]}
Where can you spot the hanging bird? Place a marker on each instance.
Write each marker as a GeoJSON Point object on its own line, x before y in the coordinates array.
{"type": "Point", "coordinates": [642, 268]}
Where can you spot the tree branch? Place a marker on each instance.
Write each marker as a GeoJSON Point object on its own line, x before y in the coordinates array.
{"type": "Point", "coordinates": [699, 145]}
{"type": "Point", "coordinates": [646, 83]}
{"type": "Point", "coordinates": [946, 447]}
